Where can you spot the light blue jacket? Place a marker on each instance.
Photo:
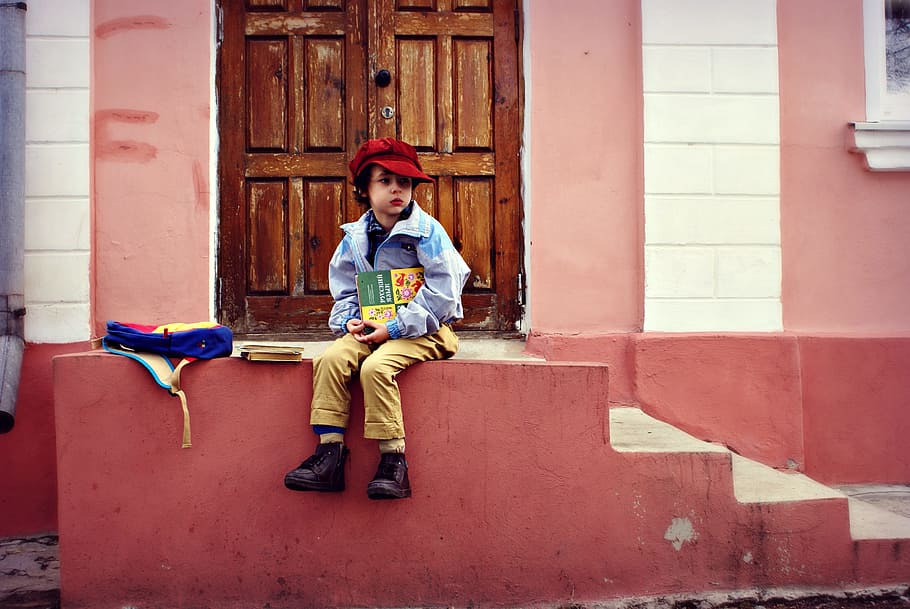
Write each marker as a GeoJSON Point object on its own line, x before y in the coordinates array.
{"type": "Point", "coordinates": [419, 240]}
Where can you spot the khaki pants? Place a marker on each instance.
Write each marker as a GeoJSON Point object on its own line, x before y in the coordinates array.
{"type": "Point", "coordinates": [378, 367]}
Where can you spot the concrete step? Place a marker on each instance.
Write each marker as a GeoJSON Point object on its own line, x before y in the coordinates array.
{"type": "Point", "coordinates": [469, 348]}
{"type": "Point", "coordinates": [632, 430]}
{"type": "Point", "coordinates": [521, 496]}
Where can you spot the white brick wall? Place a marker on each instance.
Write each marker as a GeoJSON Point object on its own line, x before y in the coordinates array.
{"type": "Point", "coordinates": [57, 171]}
{"type": "Point", "coordinates": [712, 175]}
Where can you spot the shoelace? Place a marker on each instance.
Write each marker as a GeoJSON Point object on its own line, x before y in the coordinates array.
{"type": "Point", "coordinates": [388, 468]}
{"type": "Point", "coordinates": [316, 459]}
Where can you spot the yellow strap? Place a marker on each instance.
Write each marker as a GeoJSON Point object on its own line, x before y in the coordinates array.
{"type": "Point", "coordinates": [182, 327]}
{"type": "Point", "coordinates": [175, 390]}
{"type": "Point", "coordinates": [186, 420]}
{"type": "Point", "coordinates": [175, 375]}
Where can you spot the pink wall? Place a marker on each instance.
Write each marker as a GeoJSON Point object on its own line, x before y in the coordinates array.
{"type": "Point", "coordinates": [843, 228]}
{"type": "Point", "coordinates": [151, 66]}
{"type": "Point", "coordinates": [585, 180]}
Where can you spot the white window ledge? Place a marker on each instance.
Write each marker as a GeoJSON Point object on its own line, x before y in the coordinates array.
{"type": "Point", "coordinates": [885, 144]}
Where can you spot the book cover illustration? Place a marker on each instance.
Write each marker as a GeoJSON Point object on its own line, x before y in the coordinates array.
{"type": "Point", "coordinates": [381, 292]}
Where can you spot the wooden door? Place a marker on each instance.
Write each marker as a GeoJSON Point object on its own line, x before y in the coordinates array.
{"type": "Point", "coordinates": [298, 94]}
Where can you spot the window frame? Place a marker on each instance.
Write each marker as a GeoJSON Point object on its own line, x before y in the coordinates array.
{"type": "Point", "coordinates": [880, 105]}
{"type": "Point", "coordinates": [884, 137]}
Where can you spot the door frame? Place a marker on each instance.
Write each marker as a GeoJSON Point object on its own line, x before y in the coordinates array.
{"type": "Point", "coordinates": [508, 150]}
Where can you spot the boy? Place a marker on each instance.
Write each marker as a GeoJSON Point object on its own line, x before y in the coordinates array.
{"type": "Point", "coordinates": [393, 233]}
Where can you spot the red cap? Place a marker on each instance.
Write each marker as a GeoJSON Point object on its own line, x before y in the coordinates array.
{"type": "Point", "coordinates": [394, 155]}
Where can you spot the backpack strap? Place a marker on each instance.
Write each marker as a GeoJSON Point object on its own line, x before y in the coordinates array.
{"type": "Point", "coordinates": [164, 373]}
{"type": "Point", "coordinates": [176, 390]}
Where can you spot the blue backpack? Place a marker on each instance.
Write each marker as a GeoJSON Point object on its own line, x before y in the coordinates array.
{"type": "Point", "coordinates": [153, 346]}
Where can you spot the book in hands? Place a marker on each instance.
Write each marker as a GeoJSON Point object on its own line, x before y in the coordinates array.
{"type": "Point", "coordinates": [381, 292]}
{"type": "Point", "coordinates": [271, 353]}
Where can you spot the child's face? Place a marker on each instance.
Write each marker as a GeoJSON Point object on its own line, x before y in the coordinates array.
{"type": "Point", "coordinates": [389, 193]}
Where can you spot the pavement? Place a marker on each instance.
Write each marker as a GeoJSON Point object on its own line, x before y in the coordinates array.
{"type": "Point", "coordinates": [29, 572]}
{"type": "Point", "coordinates": [30, 575]}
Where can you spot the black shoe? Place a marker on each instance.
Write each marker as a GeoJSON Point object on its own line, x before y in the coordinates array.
{"type": "Point", "coordinates": [391, 479]}
{"type": "Point", "coordinates": [323, 471]}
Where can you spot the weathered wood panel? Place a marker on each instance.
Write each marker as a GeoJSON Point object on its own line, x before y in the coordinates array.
{"type": "Point", "coordinates": [417, 92]}
{"type": "Point", "coordinates": [323, 203]}
{"type": "Point", "coordinates": [296, 238]}
{"type": "Point", "coordinates": [324, 83]}
{"type": "Point", "coordinates": [473, 94]}
{"type": "Point", "coordinates": [312, 5]}
{"type": "Point", "coordinates": [267, 4]}
{"type": "Point", "coordinates": [476, 227]}
{"type": "Point", "coordinates": [267, 68]}
{"type": "Point", "coordinates": [412, 5]}
{"type": "Point", "coordinates": [331, 164]}
{"type": "Point", "coordinates": [327, 24]}
{"type": "Point", "coordinates": [267, 230]}
{"type": "Point", "coordinates": [475, 25]}
{"type": "Point", "coordinates": [472, 5]}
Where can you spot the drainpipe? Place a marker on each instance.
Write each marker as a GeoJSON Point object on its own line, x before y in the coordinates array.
{"type": "Point", "coordinates": [12, 206]}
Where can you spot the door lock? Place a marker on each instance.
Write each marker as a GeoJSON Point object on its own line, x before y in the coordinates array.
{"type": "Point", "coordinates": [387, 112]}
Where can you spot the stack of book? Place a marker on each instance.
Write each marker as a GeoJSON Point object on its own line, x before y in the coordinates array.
{"type": "Point", "coordinates": [271, 353]}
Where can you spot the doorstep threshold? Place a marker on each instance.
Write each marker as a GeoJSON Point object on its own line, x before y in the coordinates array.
{"type": "Point", "coordinates": [469, 347]}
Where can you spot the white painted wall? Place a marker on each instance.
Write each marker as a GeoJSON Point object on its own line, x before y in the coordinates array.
{"type": "Point", "coordinates": [57, 217]}
{"type": "Point", "coordinates": [712, 157]}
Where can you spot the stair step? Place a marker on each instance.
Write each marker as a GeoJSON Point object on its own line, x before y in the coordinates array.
{"type": "Point", "coordinates": [755, 482]}
{"type": "Point", "coordinates": [631, 430]}
{"type": "Point", "coordinates": [868, 521]}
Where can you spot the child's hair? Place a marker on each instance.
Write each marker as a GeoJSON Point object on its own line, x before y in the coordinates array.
{"type": "Point", "coordinates": [361, 185]}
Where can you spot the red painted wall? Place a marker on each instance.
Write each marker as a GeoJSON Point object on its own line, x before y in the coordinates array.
{"type": "Point", "coordinates": [519, 499]}
{"type": "Point", "coordinates": [836, 408]}
{"type": "Point", "coordinates": [856, 409]}
{"type": "Point", "coordinates": [28, 456]}
{"type": "Point", "coordinates": [740, 391]}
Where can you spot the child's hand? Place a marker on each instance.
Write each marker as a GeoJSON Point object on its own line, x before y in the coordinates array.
{"type": "Point", "coordinates": [378, 335]}
{"type": "Point", "coordinates": [355, 326]}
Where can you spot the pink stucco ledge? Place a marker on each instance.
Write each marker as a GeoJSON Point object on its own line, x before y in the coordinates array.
{"type": "Point", "coordinates": [742, 391]}
{"type": "Point", "coordinates": [519, 498]}
{"type": "Point", "coordinates": [834, 407]}
{"type": "Point", "coordinates": [831, 406]}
